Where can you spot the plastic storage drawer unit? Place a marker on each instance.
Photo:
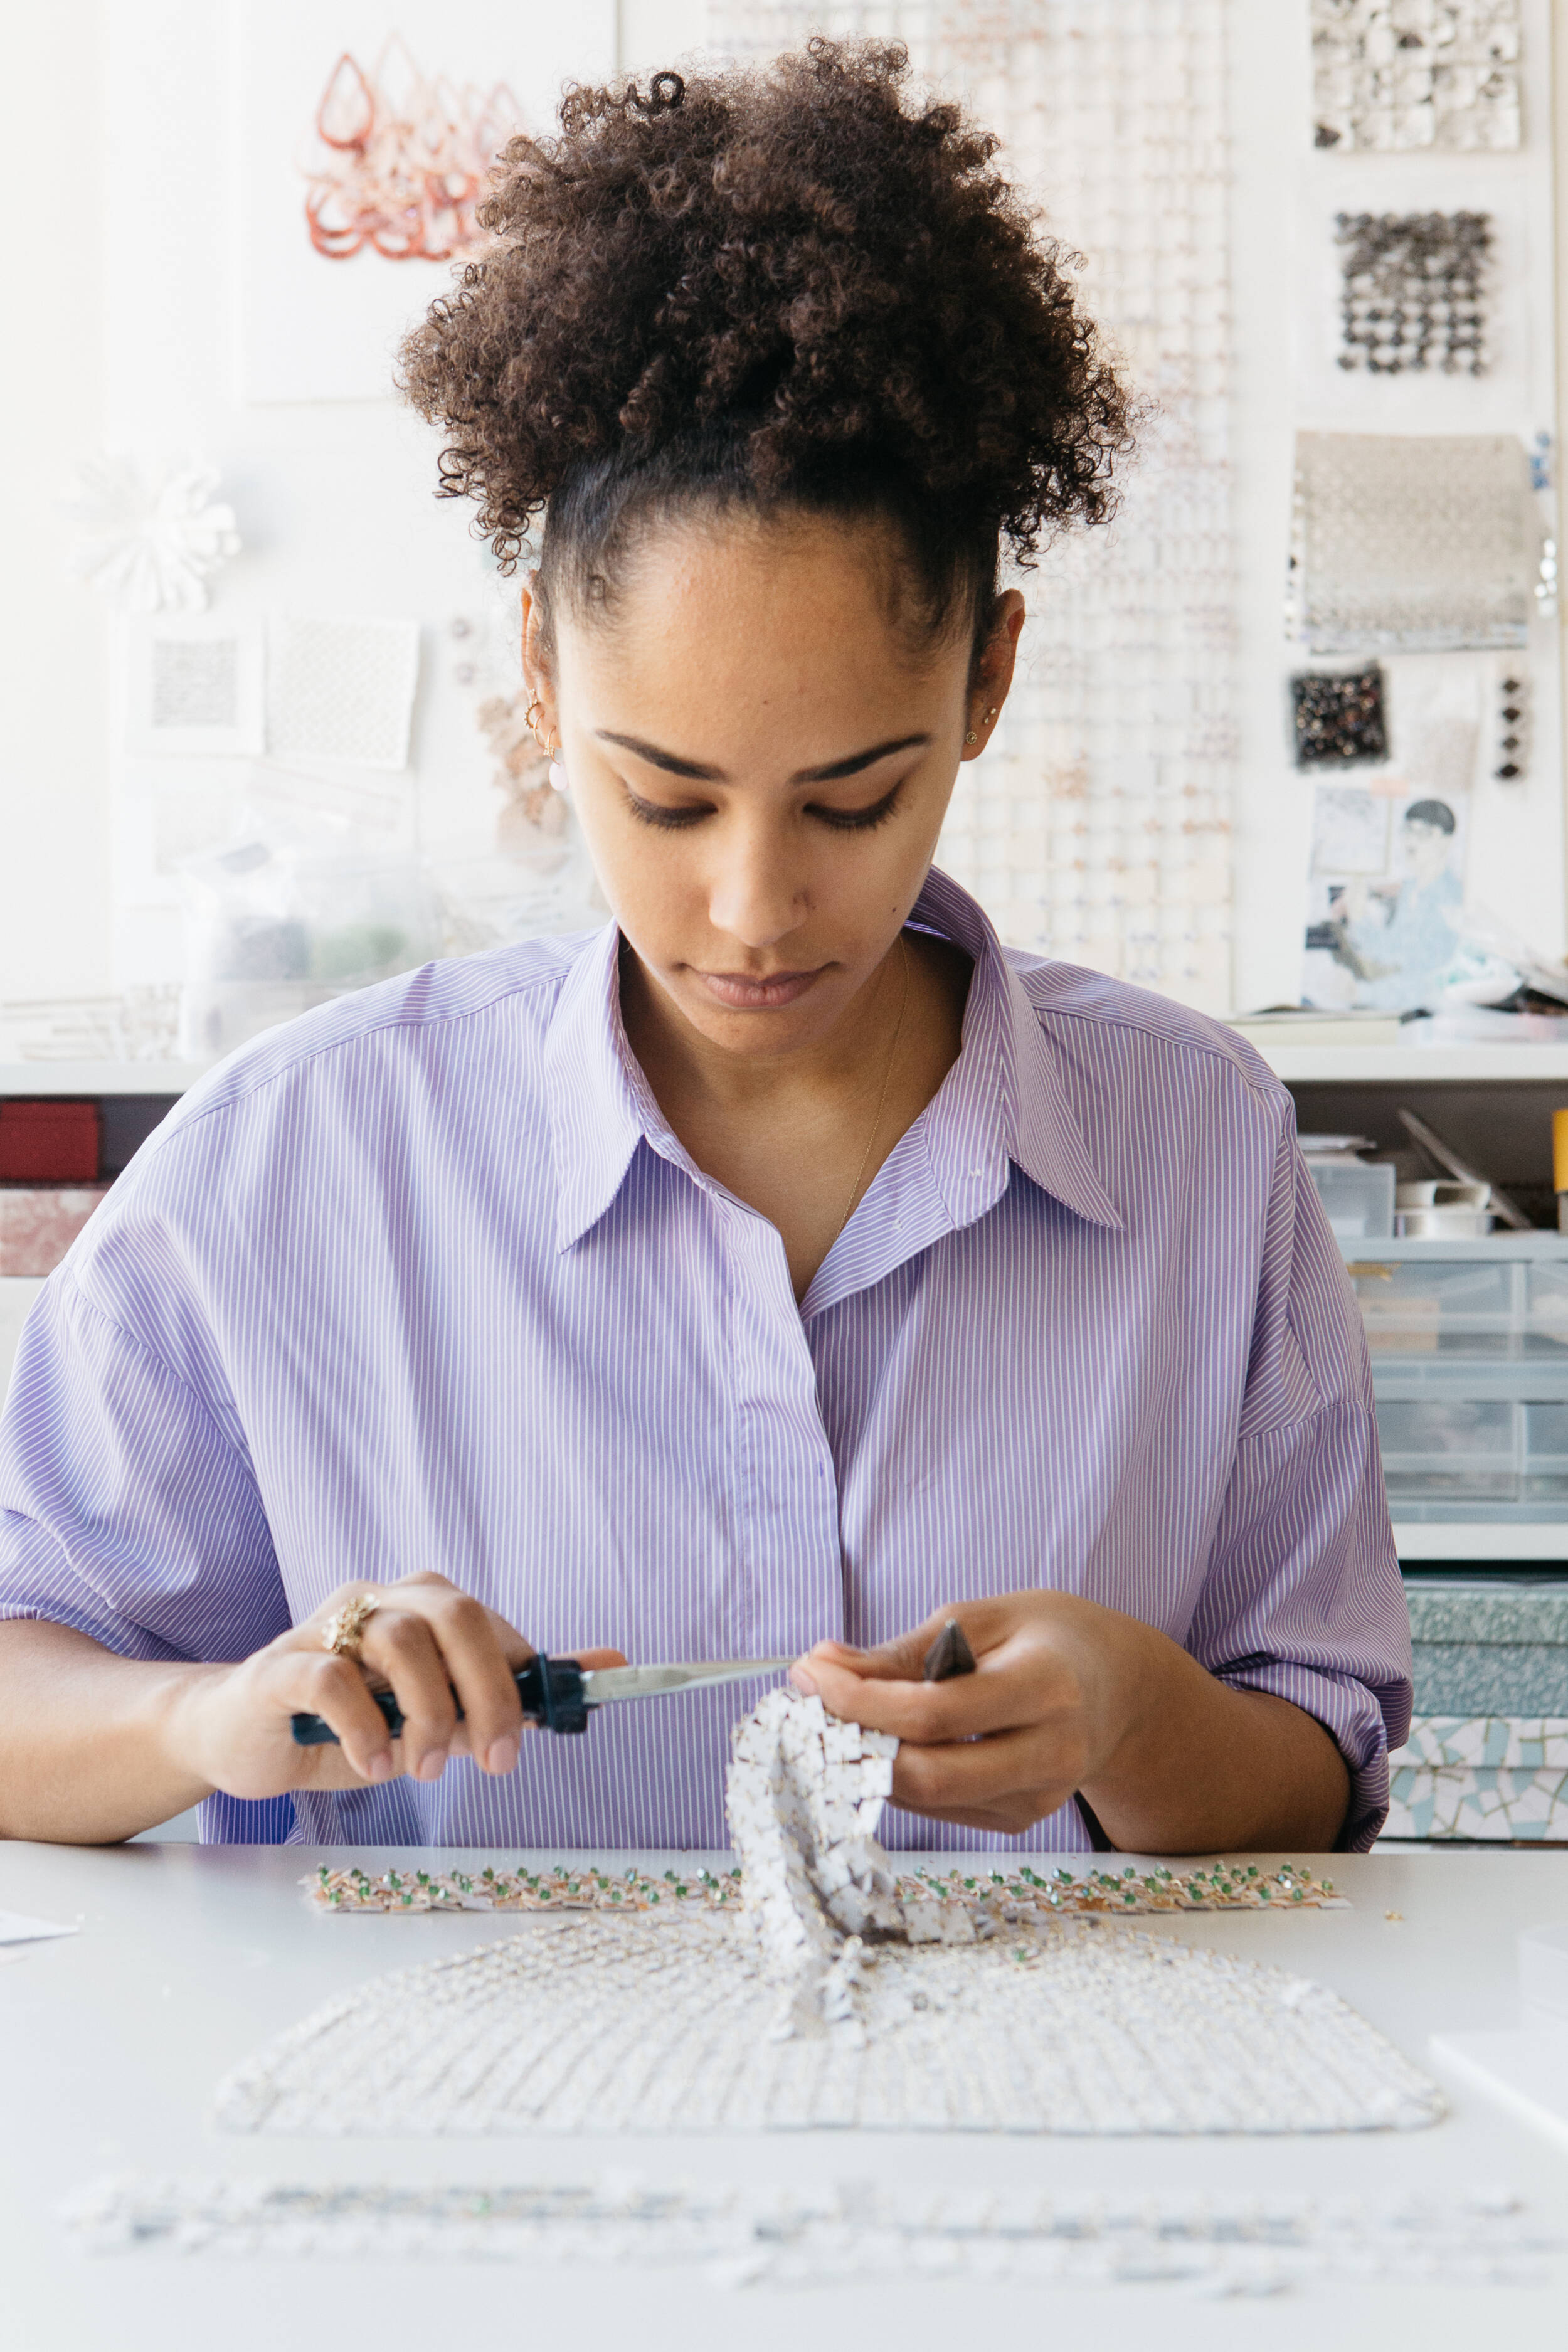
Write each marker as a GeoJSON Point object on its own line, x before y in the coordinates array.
{"type": "Point", "coordinates": [1470, 1355]}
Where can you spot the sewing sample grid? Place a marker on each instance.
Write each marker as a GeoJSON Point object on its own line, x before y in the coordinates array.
{"type": "Point", "coordinates": [1415, 74]}
{"type": "Point", "coordinates": [1413, 292]}
{"type": "Point", "coordinates": [1096, 827]}
{"type": "Point", "coordinates": [834, 2000]}
{"type": "Point", "coordinates": [848, 2232]}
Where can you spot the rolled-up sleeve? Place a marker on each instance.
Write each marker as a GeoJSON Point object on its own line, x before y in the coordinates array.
{"type": "Point", "coordinates": [1303, 1596]}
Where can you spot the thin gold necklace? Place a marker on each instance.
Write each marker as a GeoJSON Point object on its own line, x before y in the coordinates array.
{"type": "Point", "coordinates": [882, 1098]}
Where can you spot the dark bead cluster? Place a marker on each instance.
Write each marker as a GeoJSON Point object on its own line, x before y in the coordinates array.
{"type": "Point", "coordinates": [1339, 717]}
{"type": "Point", "coordinates": [1414, 296]}
{"type": "Point", "coordinates": [1513, 722]}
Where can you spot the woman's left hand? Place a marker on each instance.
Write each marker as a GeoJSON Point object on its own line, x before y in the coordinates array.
{"type": "Point", "coordinates": [1054, 1694]}
{"type": "Point", "coordinates": [1070, 1697]}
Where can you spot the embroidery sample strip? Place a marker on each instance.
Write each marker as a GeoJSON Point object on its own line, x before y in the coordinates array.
{"type": "Point", "coordinates": [846, 2233]}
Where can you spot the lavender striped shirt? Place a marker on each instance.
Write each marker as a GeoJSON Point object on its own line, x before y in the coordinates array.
{"type": "Point", "coordinates": [424, 1280]}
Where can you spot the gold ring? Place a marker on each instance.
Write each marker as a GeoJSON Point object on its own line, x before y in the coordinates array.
{"type": "Point", "coordinates": [344, 1628]}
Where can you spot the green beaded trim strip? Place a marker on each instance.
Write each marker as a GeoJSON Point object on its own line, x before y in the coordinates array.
{"type": "Point", "coordinates": [1227, 1886]}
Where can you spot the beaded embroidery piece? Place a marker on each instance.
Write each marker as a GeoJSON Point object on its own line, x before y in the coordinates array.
{"type": "Point", "coordinates": [1389, 74]}
{"type": "Point", "coordinates": [850, 2231]}
{"type": "Point", "coordinates": [1413, 292]}
{"type": "Point", "coordinates": [1339, 719]}
{"type": "Point", "coordinates": [831, 2000]}
{"type": "Point", "coordinates": [1413, 542]}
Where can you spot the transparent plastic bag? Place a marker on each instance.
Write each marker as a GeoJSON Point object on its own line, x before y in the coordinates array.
{"type": "Point", "coordinates": [304, 904]}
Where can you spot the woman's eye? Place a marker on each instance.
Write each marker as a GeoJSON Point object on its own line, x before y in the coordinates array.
{"type": "Point", "coordinates": [860, 819]}
{"type": "Point", "coordinates": [670, 820]}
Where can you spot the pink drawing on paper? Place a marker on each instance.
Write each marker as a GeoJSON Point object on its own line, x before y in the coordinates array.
{"type": "Point", "coordinates": [400, 162]}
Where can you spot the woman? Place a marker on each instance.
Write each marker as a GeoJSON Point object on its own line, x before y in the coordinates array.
{"type": "Point", "coordinates": [787, 1267]}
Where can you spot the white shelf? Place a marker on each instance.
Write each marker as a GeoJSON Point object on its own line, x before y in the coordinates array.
{"type": "Point", "coordinates": [98, 1077]}
{"type": "Point", "coordinates": [1415, 1065]}
{"type": "Point", "coordinates": [1485, 1540]}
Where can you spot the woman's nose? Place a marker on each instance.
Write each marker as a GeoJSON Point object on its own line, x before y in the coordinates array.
{"type": "Point", "coordinates": [758, 893]}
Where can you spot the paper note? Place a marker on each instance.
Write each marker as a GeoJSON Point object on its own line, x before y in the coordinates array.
{"type": "Point", "coordinates": [18, 1928]}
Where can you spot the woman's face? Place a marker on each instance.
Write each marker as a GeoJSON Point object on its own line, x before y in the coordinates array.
{"type": "Point", "coordinates": [761, 761]}
{"type": "Point", "coordinates": [1426, 848]}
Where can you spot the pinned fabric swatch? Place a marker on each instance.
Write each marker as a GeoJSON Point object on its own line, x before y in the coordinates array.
{"type": "Point", "coordinates": [1339, 718]}
{"type": "Point", "coordinates": [1414, 294]}
{"type": "Point", "coordinates": [341, 690]}
{"type": "Point", "coordinates": [1413, 543]}
{"type": "Point", "coordinates": [1419, 74]}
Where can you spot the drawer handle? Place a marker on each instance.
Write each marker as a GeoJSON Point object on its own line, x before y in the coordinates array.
{"type": "Point", "coordinates": [1373, 1273]}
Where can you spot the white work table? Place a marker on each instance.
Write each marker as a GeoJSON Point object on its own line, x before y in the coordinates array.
{"type": "Point", "coordinates": [188, 1958]}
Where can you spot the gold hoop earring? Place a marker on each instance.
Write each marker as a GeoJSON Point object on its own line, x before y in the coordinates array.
{"type": "Point", "coordinates": [530, 720]}
{"type": "Point", "coordinates": [972, 737]}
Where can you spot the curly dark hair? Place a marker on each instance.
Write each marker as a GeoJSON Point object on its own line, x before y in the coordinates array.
{"type": "Point", "coordinates": [775, 289]}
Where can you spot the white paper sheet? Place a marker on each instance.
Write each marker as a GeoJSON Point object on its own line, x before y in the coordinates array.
{"type": "Point", "coordinates": [18, 1928]}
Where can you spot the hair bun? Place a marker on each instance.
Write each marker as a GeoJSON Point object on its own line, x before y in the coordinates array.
{"type": "Point", "coordinates": [801, 260]}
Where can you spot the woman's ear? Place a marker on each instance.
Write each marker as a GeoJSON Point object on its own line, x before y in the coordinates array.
{"type": "Point", "coordinates": [531, 612]}
{"type": "Point", "coordinates": [992, 672]}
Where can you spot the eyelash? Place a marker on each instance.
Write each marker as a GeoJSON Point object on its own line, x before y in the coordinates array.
{"type": "Point", "coordinates": [669, 820]}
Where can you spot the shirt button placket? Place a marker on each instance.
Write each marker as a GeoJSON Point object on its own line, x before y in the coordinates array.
{"type": "Point", "coordinates": [793, 1562]}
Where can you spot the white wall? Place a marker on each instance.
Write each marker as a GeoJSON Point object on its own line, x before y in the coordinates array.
{"type": "Point", "coordinates": [53, 780]}
{"type": "Point", "coordinates": [1284, 196]}
{"type": "Point", "coordinates": [333, 499]}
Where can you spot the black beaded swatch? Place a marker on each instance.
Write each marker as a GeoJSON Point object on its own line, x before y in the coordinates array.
{"type": "Point", "coordinates": [1413, 295]}
{"type": "Point", "coordinates": [1513, 728]}
{"type": "Point", "coordinates": [1339, 718]}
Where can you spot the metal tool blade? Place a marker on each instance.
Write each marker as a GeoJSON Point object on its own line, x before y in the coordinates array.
{"type": "Point", "coordinates": [651, 1682]}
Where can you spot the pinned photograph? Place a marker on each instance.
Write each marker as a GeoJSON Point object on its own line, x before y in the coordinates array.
{"type": "Point", "coordinates": [1384, 940]}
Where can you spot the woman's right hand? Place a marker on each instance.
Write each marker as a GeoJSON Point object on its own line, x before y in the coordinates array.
{"type": "Point", "coordinates": [425, 1638]}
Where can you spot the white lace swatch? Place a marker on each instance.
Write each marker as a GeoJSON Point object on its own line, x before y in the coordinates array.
{"type": "Point", "coordinates": [1413, 543]}
{"type": "Point", "coordinates": [341, 690]}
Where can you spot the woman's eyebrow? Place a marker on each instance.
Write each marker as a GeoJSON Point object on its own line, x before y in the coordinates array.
{"type": "Point", "coordinates": [671, 761]}
{"type": "Point", "coordinates": [831, 773]}
{"type": "Point", "coordinates": [852, 766]}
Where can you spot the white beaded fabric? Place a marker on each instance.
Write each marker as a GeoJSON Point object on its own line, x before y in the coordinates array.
{"type": "Point", "coordinates": [840, 2232]}
{"type": "Point", "coordinates": [777, 2020]}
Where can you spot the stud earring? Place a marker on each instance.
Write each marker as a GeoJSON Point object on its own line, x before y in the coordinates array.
{"type": "Point", "coordinates": [972, 737]}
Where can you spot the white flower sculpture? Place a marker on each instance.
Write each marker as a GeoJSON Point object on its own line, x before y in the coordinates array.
{"type": "Point", "coordinates": [150, 551]}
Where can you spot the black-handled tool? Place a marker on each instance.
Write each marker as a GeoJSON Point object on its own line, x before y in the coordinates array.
{"type": "Point", "coordinates": [948, 1655]}
{"type": "Point", "coordinates": [557, 1694]}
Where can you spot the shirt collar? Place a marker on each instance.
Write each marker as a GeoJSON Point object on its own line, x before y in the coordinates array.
{"type": "Point", "coordinates": [1005, 1099]}
{"type": "Point", "coordinates": [601, 1105]}
{"type": "Point", "coordinates": [1009, 1090]}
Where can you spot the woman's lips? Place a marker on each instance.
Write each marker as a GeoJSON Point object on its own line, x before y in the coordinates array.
{"type": "Point", "coordinates": [741, 993]}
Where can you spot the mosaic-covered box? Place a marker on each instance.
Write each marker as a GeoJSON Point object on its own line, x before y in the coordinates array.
{"type": "Point", "coordinates": [1488, 1752]}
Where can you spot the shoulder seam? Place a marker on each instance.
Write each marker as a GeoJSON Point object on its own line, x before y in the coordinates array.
{"type": "Point", "coordinates": [159, 1141]}
{"type": "Point", "coordinates": [1268, 1083]}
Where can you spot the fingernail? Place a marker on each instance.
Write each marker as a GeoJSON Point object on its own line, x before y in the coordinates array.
{"type": "Point", "coordinates": [431, 1765]}
{"type": "Point", "coordinates": [804, 1680]}
{"type": "Point", "coordinates": [501, 1756]}
{"type": "Point", "coordinates": [380, 1765]}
